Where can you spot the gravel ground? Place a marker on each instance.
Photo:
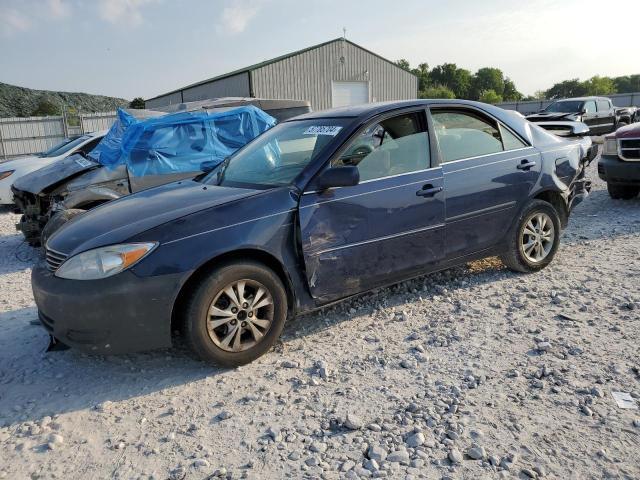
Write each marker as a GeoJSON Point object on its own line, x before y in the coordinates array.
{"type": "Point", "coordinates": [474, 373]}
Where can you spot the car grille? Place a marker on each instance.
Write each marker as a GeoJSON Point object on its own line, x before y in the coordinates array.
{"type": "Point", "coordinates": [54, 259]}
{"type": "Point", "coordinates": [629, 149]}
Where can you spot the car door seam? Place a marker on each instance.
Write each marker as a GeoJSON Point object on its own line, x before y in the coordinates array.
{"type": "Point", "coordinates": [486, 164]}
{"type": "Point", "coordinates": [371, 192]}
{"type": "Point", "coordinates": [483, 211]}
{"type": "Point", "coordinates": [378, 239]}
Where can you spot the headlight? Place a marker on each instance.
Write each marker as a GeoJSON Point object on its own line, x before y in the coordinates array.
{"type": "Point", "coordinates": [610, 147]}
{"type": "Point", "coordinates": [103, 262]}
{"type": "Point", "coordinates": [6, 174]}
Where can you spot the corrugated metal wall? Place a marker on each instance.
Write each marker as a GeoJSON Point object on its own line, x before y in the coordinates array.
{"type": "Point", "coordinates": [234, 86]}
{"type": "Point", "coordinates": [93, 122]}
{"type": "Point", "coordinates": [23, 136]}
{"type": "Point", "coordinates": [308, 75]}
{"type": "Point", "coordinates": [168, 99]}
{"type": "Point", "coordinates": [31, 135]}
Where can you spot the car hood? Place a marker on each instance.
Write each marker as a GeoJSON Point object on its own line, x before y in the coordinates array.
{"type": "Point", "coordinates": [54, 173]}
{"type": "Point", "coordinates": [546, 116]}
{"type": "Point", "coordinates": [628, 131]}
{"type": "Point", "coordinates": [24, 163]}
{"type": "Point", "coordinates": [118, 221]}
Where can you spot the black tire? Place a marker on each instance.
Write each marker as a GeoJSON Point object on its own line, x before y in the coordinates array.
{"type": "Point", "coordinates": [624, 192]}
{"type": "Point", "coordinates": [196, 315]}
{"type": "Point", "coordinates": [515, 258]}
{"type": "Point", "coordinates": [56, 221]}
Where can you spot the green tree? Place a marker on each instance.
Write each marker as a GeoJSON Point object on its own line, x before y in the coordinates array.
{"type": "Point", "coordinates": [404, 64]}
{"type": "Point", "coordinates": [510, 92]}
{"type": "Point", "coordinates": [627, 83]}
{"type": "Point", "coordinates": [487, 78]}
{"type": "Point", "coordinates": [598, 85]}
{"type": "Point", "coordinates": [46, 107]}
{"type": "Point", "coordinates": [567, 88]}
{"type": "Point", "coordinates": [424, 77]}
{"type": "Point", "coordinates": [137, 102]}
{"type": "Point", "coordinates": [437, 91]}
{"type": "Point", "coordinates": [458, 80]}
{"type": "Point", "coordinates": [490, 96]}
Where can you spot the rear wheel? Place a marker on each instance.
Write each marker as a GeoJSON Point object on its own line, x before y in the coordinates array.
{"type": "Point", "coordinates": [534, 239]}
{"type": "Point", "coordinates": [235, 314]}
{"type": "Point", "coordinates": [56, 221]}
{"type": "Point", "coordinates": [625, 192]}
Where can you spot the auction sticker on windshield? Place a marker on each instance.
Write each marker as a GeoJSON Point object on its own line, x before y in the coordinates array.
{"type": "Point", "coordinates": [83, 162]}
{"type": "Point", "coordinates": [323, 130]}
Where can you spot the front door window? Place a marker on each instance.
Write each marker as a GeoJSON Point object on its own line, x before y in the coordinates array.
{"type": "Point", "coordinates": [394, 146]}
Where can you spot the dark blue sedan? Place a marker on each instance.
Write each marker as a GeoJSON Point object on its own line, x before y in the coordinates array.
{"type": "Point", "coordinates": [319, 208]}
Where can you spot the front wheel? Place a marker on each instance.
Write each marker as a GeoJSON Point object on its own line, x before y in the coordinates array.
{"type": "Point", "coordinates": [625, 192]}
{"type": "Point", "coordinates": [534, 239]}
{"type": "Point", "coordinates": [235, 314]}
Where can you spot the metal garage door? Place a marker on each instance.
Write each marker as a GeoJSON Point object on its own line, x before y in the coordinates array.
{"type": "Point", "coordinates": [349, 93]}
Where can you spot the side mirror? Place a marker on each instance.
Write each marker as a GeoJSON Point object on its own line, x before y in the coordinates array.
{"type": "Point", "coordinates": [583, 111]}
{"type": "Point", "coordinates": [338, 177]}
{"type": "Point", "coordinates": [209, 165]}
{"type": "Point", "coordinates": [578, 129]}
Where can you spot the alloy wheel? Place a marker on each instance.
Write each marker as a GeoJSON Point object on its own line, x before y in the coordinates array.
{"type": "Point", "coordinates": [537, 237]}
{"type": "Point", "coordinates": [240, 315]}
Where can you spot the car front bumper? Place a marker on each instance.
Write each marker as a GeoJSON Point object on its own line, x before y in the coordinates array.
{"type": "Point", "coordinates": [613, 170]}
{"type": "Point", "coordinates": [120, 314]}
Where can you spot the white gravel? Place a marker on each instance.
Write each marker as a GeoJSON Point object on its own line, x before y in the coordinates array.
{"type": "Point", "coordinates": [472, 373]}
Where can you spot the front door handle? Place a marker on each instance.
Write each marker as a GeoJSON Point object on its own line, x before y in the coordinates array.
{"type": "Point", "coordinates": [428, 191]}
{"type": "Point", "coordinates": [526, 164]}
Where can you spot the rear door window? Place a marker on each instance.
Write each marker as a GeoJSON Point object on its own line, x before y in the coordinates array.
{"type": "Point", "coordinates": [603, 105]}
{"type": "Point", "coordinates": [466, 134]}
{"type": "Point", "coordinates": [590, 106]}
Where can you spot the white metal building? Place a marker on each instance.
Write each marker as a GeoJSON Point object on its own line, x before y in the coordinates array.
{"type": "Point", "coordinates": [332, 74]}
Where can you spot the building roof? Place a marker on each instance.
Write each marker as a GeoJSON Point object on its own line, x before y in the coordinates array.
{"type": "Point", "coordinates": [255, 66]}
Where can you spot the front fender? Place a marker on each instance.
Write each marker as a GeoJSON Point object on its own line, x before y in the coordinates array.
{"type": "Point", "coordinates": [88, 196]}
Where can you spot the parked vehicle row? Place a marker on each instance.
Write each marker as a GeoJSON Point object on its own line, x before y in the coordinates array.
{"type": "Point", "coordinates": [598, 113]}
{"type": "Point", "coordinates": [139, 153]}
{"type": "Point", "coordinates": [321, 207]}
{"type": "Point", "coordinates": [12, 170]}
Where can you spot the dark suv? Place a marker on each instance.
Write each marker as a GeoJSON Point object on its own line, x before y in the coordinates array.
{"type": "Point", "coordinates": [619, 164]}
{"type": "Point", "coordinates": [597, 113]}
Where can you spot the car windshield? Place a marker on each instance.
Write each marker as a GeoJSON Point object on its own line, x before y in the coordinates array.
{"type": "Point", "coordinates": [277, 156]}
{"type": "Point", "coordinates": [565, 106]}
{"type": "Point", "coordinates": [65, 146]}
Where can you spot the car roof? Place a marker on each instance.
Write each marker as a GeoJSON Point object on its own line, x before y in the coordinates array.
{"type": "Point", "coordinates": [371, 109]}
{"type": "Point", "coordinates": [582, 98]}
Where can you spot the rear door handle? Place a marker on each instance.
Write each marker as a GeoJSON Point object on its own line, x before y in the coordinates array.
{"type": "Point", "coordinates": [428, 191]}
{"type": "Point", "coordinates": [526, 164]}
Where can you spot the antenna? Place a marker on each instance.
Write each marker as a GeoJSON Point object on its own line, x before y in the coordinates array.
{"type": "Point", "coordinates": [344, 39]}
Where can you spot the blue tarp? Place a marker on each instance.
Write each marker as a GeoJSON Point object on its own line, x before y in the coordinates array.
{"type": "Point", "coordinates": [107, 152]}
{"type": "Point", "coordinates": [180, 142]}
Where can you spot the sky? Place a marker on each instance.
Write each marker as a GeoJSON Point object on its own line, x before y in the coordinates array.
{"type": "Point", "coordinates": [132, 48]}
